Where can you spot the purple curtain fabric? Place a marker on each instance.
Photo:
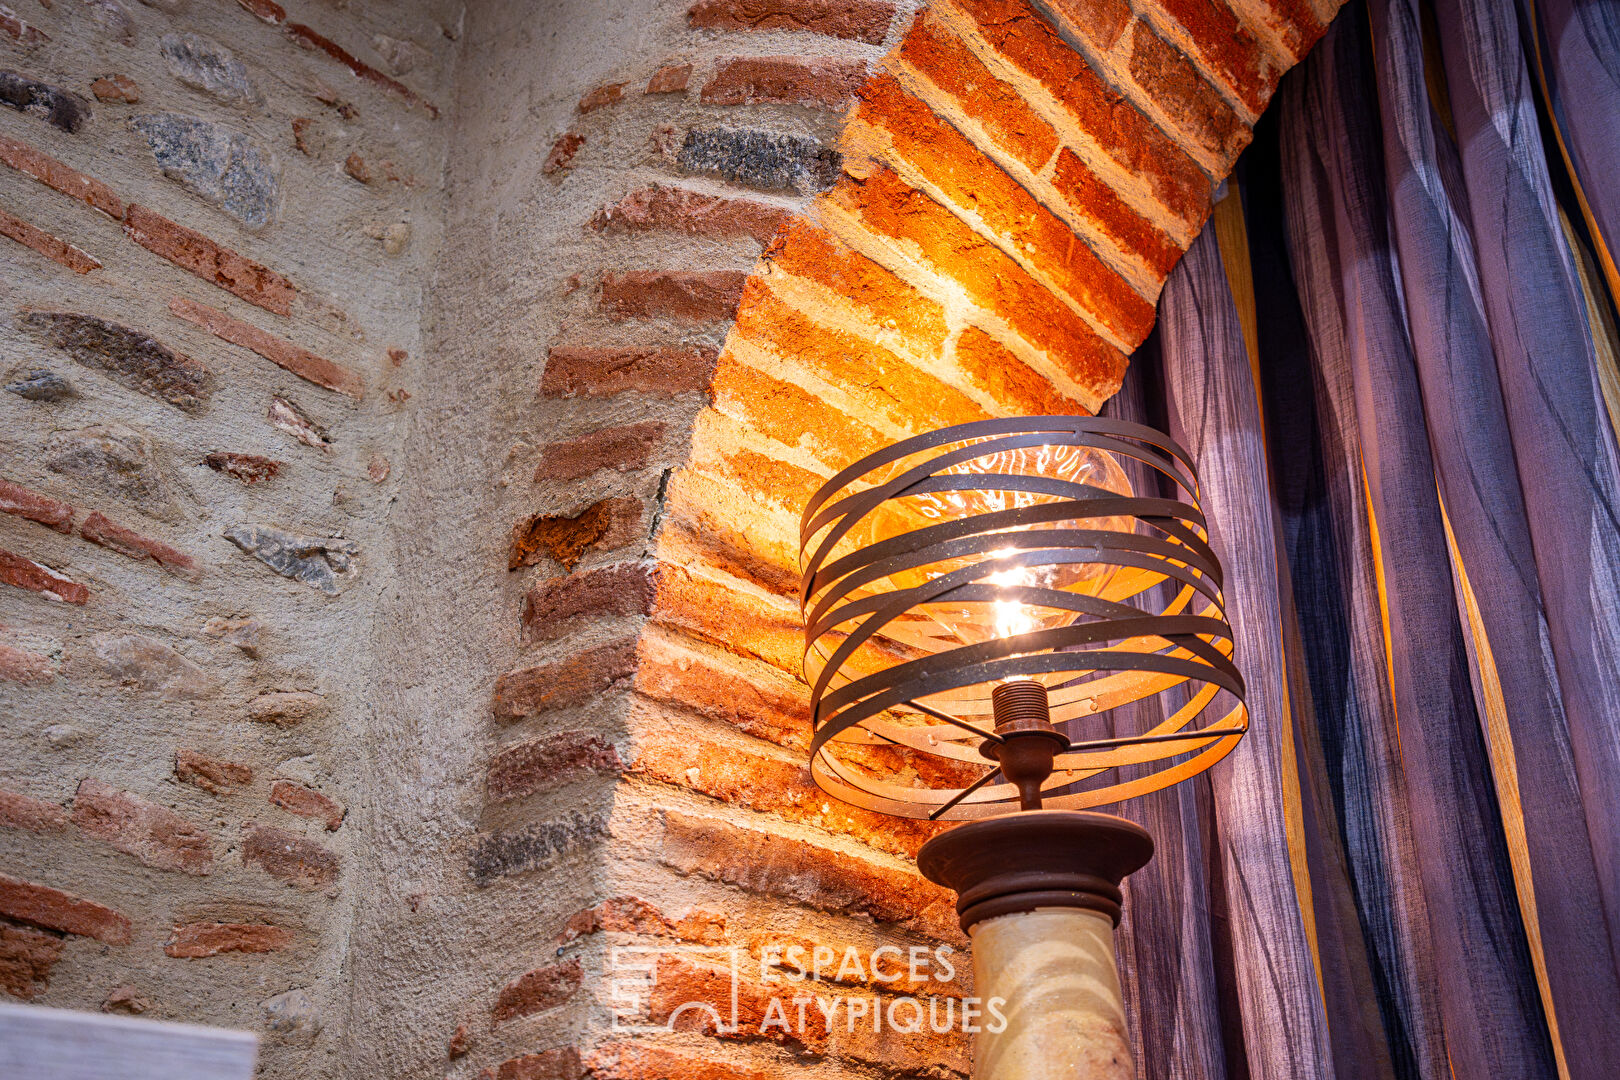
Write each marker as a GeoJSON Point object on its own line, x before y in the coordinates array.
{"type": "Point", "coordinates": [1213, 412]}
{"type": "Point", "coordinates": [1410, 869]}
{"type": "Point", "coordinates": [1575, 48]}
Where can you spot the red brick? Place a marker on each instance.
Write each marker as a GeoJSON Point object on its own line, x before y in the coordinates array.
{"type": "Point", "coordinates": [814, 876]}
{"type": "Point", "coordinates": [679, 982]}
{"type": "Point", "coordinates": [248, 468]}
{"type": "Point", "coordinates": [670, 79]}
{"type": "Point", "coordinates": [284, 708]}
{"type": "Point", "coordinates": [559, 1064]}
{"type": "Point", "coordinates": [194, 941]}
{"type": "Point", "coordinates": [26, 958]}
{"type": "Point", "coordinates": [997, 106]}
{"type": "Point", "coordinates": [1227, 47]}
{"type": "Point", "coordinates": [603, 526]}
{"type": "Point", "coordinates": [309, 39]}
{"type": "Point", "coordinates": [19, 31]}
{"type": "Point", "coordinates": [32, 506]}
{"type": "Point", "coordinates": [563, 683]}
{"type": "Point", "coordinates": [687, 296]}
{"type": "Point", "coordinates": [18, 811]}
{"type": "Point", "coordinates": [27, 574]}
{"type": "Point", "coordinates": [1196, 107]}
{"type": "Point", "coordinates": [213, 776]}
{"type": "Point", "coordinates": [23, 667]}
{"type": "Point", "coordinates": [109, 534]}
{"type": "Point", "coordinates": [883, 383]}
{"type": "Point", "coordinates": [1015, 29]}
{"type": "Point", "coordinates": [628, 1061]}
{"type": "Point", "coordinates": [675, 209]}
{"type": "Point", "coordinates": [808, 252]}
{"type": "Point", "coordinates": [586, 371]}
{"type": "Point", "coordinates": [53, 909]}
{"type": "Point", "coordinates": [193, 252]}
{"type": "Point", "coordinates": [356, 167]}
{"type": "Point", "coordinates": [736, 621]}
{"type": "Point", "coordinates": [633, 915]}
{"type": "Point", "coordinates": [1294, 22]}
{"type": "Point", "coordinates": [775, 710]}
{"type": "Point", "coordinates": [116, 88]}
{"type": "Point", "coordinates": [820, 82]}
{"type": "Point", "coordinates": [285, 416]}
{"type": "Point", "coordinates": [300, 800]}
{"type": "Point", "coordinates": [527, 768]}
{"type": "Point", "coordinates": [53, 174]}
{"type": "Point", "coordinates": [855, 20]}
{"type": "Point", "coordinates": [293, 859]}
{"type": "Point", "coordinates": [279, 351]}
{"type": "Point", "coordinates": [996, 371]}
{"type": "Point", "coordinates": [52, 247]}
{"type": "Point", "coordinates": [1089, 196]}
{"type": "Point", "coordinates": [976, 184]}
{"type": "Point", "coordinates": [768, 785]}
{"type": "Point", "coordinates": [994, 281]}
{"type": "Point", "coordinates": [623, 589]}
{"type": "Point", "coordinates": [1100, 22]}
{"type": "Point", "coordinates": [709, 520]}
{"type": "Point", "coordinates": [625, 448]}
{"type": "Point", "coordinates": [791, 416]}
{"type": "Point", "coordinates": [155, 835]}
{"type": "Point", "coordinates": [785, 485]}
{"type": "Point", "coordinates": [267, 10]}
{"type": "Point", "coordinates": [602, 95]}
{"type": "Point", "coordinates": [538, 990]}
{"type": "Point", "coordinates": [562, 152]}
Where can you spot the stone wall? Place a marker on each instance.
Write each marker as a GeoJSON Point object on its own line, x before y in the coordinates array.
{"type": "Point", "coordinates": [404, 608]}
{"type": "Point", "coordinates": [221, 227]}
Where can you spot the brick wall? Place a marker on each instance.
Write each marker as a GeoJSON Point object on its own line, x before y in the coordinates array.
{"type": "Point", "coordinates": [403, 475]}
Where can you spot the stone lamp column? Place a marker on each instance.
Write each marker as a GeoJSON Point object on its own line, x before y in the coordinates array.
{"type": "Point", "coordinates": [1038, 893]}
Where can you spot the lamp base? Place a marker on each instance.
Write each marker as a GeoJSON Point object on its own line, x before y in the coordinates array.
{"type": "Point", "coordinates": [1038, 892]}
{"type": "Point", "coordinates": [1036, 859]}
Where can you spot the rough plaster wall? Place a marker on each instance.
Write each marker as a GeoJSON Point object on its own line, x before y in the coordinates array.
{"type": "Point", "coordinates": [356, 300]}
{"type": "Point", "coordinates": [522, 269]}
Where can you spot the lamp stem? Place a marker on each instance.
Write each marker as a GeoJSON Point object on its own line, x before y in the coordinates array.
{"type": "Point", "coordinates": [1038, 893]}
{"type": "Point", "coordinates": [1023, 718]}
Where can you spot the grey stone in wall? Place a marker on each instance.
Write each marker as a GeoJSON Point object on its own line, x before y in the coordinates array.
{"type": "Point", "coordinates": [763, 159]}
{"type": "Point", "coordinates": [214, 163]}
{"type": "Point", "coordinates": [131, 357]}
{"type": "Point", "coordinates": [151, 666]}
{"type": "Point", "coordinates": [52, 104]}
{"type": "Point", "coordinates": [499, 855]}
{"type": "Point", "coordinates": [119, 461]}
{"type": "Point", "coordinates": [316, 561]}
{"type": "Point", "coordinates": [208, 66]}
{"type": "Point", "coordinates": [39, 384]}
{"type": "Point", "coordinates": [112, 19]}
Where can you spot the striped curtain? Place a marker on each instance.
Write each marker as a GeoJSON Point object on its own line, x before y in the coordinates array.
{"type": "Point", "coordinates": [1393, 353]}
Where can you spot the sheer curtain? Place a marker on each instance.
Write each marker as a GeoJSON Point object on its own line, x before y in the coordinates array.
{"type": "Point", "coordinates": [1393, 353]}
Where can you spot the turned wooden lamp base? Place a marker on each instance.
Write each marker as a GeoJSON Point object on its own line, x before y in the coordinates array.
{"type": "Point", "coordinates": [1038, 893]}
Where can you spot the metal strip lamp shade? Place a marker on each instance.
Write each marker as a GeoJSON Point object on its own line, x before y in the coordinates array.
{"type": "Point", "coordinates": [1007, 551]}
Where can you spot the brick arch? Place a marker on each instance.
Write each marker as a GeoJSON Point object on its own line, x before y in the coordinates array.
{"type": "Point", "coordinates": [988, 225]}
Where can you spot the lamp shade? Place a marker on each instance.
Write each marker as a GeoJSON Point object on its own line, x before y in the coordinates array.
{"type": "Point", "coordinates": [1060, 550]}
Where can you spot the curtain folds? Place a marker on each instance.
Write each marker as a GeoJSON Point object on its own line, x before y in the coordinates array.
{"type": "Point", "coordinates": [1389, 355]}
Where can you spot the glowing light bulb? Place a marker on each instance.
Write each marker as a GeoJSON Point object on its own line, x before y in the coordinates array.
{"type": "Point", "coordinates": [954, 620]}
